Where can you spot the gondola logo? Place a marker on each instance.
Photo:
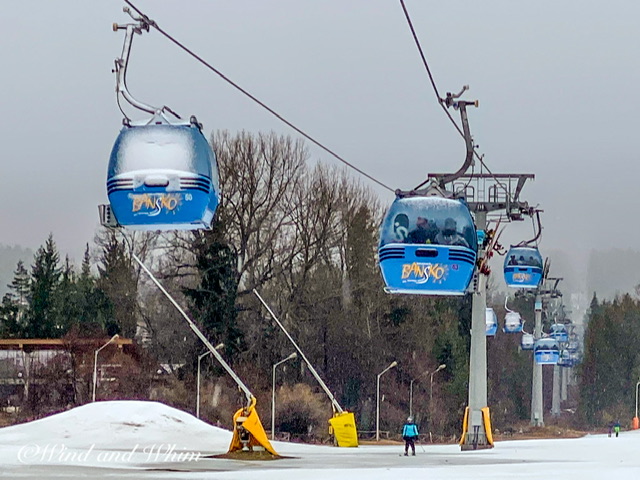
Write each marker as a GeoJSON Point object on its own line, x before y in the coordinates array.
{"type": "Point", "coordinates": [423, 272]}
{"type": "Point", "coordinates": [521, 277]}
{"type": "Point", "coordinates": [153, 204]}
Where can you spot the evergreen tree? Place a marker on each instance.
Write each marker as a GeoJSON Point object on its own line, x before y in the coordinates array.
{"type": "Point", "coordinates": [10, 325]}
{"type": "Point", "coordinates": [117, 283]}
{"type": "Point", "coordinates": [611, 362]}
{"type": "Point", "coordinates": [42, 320]}
{"type": "Point", "coordinates": [66, 306]}
{"type": "Point", "coordinates": [15, 304]}
{"type": "Point", "coordinates": [213, 300]}
{"type": "Point", "coordinates": [19, 286]}
{"type": "Point", "coordinates": [94, 307]}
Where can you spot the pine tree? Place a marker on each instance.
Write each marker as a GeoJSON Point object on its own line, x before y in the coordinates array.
{"type": "Point", "coordinates": [19, 286]}
{"type": "Point", "coordinates": [42, 320]}
{"type": "Point", "coordinates": [94, 307]}
{"type": "Point", "coordinates": [15, 304]}
{"type": "Point", "coordinates": [117, 283]}
{"type": "Point", "coordinates": [10, 326]}
{"type": "Point", "coordinates": [66, 298]}
{"type": "Point", "coordinates": [213, 300]}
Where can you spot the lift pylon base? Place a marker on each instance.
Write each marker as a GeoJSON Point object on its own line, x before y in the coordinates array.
{"type": "Point", "coordinates": [476, 437]}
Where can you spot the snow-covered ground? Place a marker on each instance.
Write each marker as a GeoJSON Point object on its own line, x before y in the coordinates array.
{"type": "Point", "coordinates": [149, 440]}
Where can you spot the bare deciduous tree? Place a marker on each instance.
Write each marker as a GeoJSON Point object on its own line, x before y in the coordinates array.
{"type": "Point", "coordinates": [259, 178]}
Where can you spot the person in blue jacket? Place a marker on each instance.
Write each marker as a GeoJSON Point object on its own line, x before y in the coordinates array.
{"type": "Point", "coordinates": [409, 435]}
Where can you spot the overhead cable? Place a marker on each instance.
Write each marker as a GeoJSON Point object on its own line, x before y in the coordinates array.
{"type": "Point", "coordinates": [440, 99]}
{"type": "Point", "coordinates": [253, 98]}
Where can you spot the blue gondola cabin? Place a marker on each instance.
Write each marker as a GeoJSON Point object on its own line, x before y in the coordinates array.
{"type": "Point", "coordinates": [527, 341]}
{"type": "Point", "coordinates": [163, 176]}
{"type": "Point", "coordinates": [523, 267]}
{"type": "Point", "coordinates": [513, 323]}
{"type": "Point", "coordinates": [546, 351]}
{"type": "Point", "coordinates": [428, 246]}
{"type": "Point", "coordinates": [491, 322]}
{"type": "Point", "coordinates": [559, 332]}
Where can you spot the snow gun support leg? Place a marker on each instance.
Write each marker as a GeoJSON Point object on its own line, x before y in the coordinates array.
{"type": "Point", "coordinates": [248, 432]}
{"type": "Point", "coordinates": [343, 428]}
{"type": "Point", "coordinates": [249, 435]}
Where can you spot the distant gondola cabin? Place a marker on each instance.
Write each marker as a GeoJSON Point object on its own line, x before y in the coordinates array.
{"type": "Point", "coordinates": [559, 332]}
{"type": "Point", "coordinates": [491, 322]}
{"type": "Point", "coordinates": [512, 323]}
{"type": "Point", "coordinates": [523, 267]}
{"type": "Point", "coordinates": [546, 351]}
{"type": "Point", "coordinates": [527, 341]}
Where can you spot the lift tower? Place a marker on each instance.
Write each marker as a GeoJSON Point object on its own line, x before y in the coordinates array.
{"type": "Point", "coordinates": [548, 289]}
{"type": "Point", "coordinates": [487, 194]}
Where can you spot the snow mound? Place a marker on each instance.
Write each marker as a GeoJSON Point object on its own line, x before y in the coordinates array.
{"type": "Point", "coordinates": [120, 425]}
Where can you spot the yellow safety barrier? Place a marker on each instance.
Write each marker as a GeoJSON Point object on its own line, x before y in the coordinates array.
{"type": "Point", "coordinates": [343, 426]}
{"type": "Point", "coordinates": [465, 425]}
{"type": "Point", "coordinates": [248, 431]}
{"type": "Point", "coordinates": [486, 419]}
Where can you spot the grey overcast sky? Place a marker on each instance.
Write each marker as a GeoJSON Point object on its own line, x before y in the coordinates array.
{"type": "Point", "coordinates": [557, 81]}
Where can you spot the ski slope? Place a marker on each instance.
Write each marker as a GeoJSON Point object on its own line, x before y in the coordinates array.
{"type": "Point", "coordinates": [149, 440]}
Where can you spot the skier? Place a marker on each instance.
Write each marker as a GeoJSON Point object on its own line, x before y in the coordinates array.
{"type": "Point", "coordinates": [616, 428]}
{"type": "Point", "coordinates": [409, 435]}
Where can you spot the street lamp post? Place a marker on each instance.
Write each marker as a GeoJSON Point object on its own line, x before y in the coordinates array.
{"type": "Point", "coordinates": [415, 380]}
{"type": "Point", "coordinates": [411, 394]}
{"type": "Point", "coordinates": [200, 357]}
{"type": "Point", "coordinates": [273, 393]}
{"type": "Point", "coordinates": [393, 364]}
{"type": "Point", "coordinates": [441, 367]}
{"type": "Point", "coordinates": [95, 366]}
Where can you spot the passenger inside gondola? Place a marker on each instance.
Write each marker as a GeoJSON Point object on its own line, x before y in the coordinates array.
{"type": "Point", "coordinates": [450, 235]}
{"type": "Point", "coordinates": [425, 232]}
{"type": "Point", "coordinates": [521, 260]}
{"type": "Point", "coordinates": [534, 262]}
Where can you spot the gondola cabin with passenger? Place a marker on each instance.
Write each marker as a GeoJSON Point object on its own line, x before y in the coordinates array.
{"type": "Point", "coordinates": [428, 246]}
{"type": "Point", "coordinates": [546, 351]}
{"type": "Point", "coordinates": [163, 176]}
{"type": "Point", "coordinates": [523, 267]}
